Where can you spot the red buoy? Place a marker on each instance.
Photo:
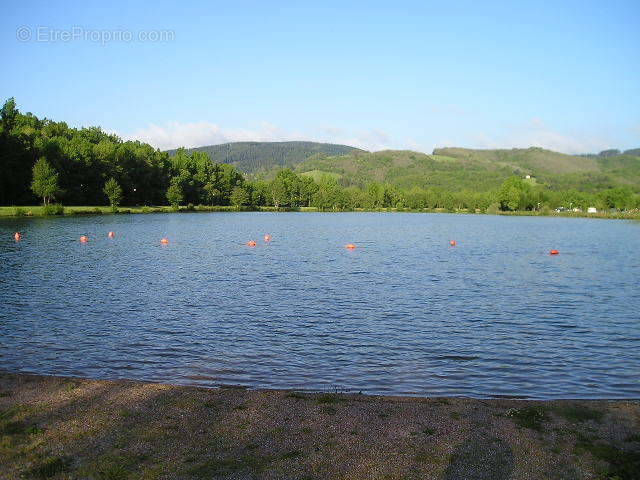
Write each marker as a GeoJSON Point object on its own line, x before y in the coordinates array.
{"type": "Point", "coordinates": [17, 236]}
{"type": "Point", "coordinates": [267, 237]}
{"type": "Point", "coordinates": [554, 252]}
{"type": "Point", "coordinates": [164, 241]}
{"type": "Point", "coordinates": [84, 239]}
{"type": "Point", "coordinates": [350, 246]}
{"type": "Point", "coordinates": [453, 243]}
{"type": "Point", "coordinates": [251, 243]}
{"type": "Point", "coordinates": [111, 234]}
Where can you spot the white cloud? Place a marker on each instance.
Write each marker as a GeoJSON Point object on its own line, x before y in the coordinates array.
{"type": "Point", "coordinates": [197, 134]}
{"type": "Point", "coordinates": [536, 133]}
{"type": "Point", "coordinates": [533, 133]}
{"type": "Point", "coordinates": [372, 139]}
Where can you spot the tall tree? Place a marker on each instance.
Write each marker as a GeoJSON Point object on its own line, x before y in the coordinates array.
{"type": "Point", "coordinates": [45, 181]}
{"type": "Point", "coordinates": [113, 191]}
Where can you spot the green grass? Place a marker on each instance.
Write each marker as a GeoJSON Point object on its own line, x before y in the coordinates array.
{"type": "Point", "coordinates": [621, 464]}
{"type": "Point", "coordinates": [528, 417]}
{"type": "Point", "coordinates": [578, 413]}
{"type": "Point", "coordinates": [48, 467]}
{"type": "Point", "coordinates": [328, 398]}
{"type": "Point", "coordinates": [225, 466]}
{"type": "Point", "coordinates": [36, 211]}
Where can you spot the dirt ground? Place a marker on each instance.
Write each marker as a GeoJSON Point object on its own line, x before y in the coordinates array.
{"type": "Point", "coordinates": [67, 428]}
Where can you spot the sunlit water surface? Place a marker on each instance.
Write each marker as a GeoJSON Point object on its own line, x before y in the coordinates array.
{"type": "Point", "coordinates": [404, 313]}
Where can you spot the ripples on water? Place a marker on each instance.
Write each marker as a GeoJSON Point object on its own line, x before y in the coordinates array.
{"type": "Point", "coordinates": [402, 314]}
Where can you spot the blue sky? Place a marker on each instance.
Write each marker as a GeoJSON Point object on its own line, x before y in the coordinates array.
{"type": "Point", "coordinates": [563, 75]}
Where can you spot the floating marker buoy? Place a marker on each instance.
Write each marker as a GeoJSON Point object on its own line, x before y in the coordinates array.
{"type": "Point", "coordinates": [350, 246]}
{"type": "Point", "coordinates": [164, 240]}
{"type": "Point", "coordinates": [84, 239]}
{"type": "Point", "coordinates": [453, 243]}
{"type": "Point", "coordinates": [251, 243]}
{"type": "Point", "coordinates": [17, 236]}
{"type": "Point", "coordinates": [267, 238]}
{"type": "Point", "coordinates": [554, 252]}
{"type": "Point", "coordinates": [111, 234]}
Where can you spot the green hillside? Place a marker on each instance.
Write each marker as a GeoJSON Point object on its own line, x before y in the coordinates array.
{"type": "Point", "coordinates": [456, 169]}
{"type": "Point", "coordinates": [252, 157]}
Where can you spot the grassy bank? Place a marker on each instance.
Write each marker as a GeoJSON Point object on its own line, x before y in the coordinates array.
{"type": "Point", "coordinates": [37, 211]}
{"type": "Point", "coordinates": [63, 428]}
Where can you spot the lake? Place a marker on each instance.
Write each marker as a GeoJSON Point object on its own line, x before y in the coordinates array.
{"type": "Point", "coordinates": [403, 313]}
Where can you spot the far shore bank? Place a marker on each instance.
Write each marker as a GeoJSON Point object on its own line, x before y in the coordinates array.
{"type": "Point", "coordinates": [68, 428]}
{"type": "Point", "coordinates": [37, 211]}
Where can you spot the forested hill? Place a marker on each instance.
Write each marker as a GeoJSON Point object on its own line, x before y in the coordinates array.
{"type": "Point", "coordinates": [456, 169]}
{"type": "Point", "coordinates": [252, 157]}
{"type": "Point", "coordinates": [44, 160]}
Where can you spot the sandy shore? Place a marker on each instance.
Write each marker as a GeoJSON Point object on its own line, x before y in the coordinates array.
{"type": "Point", "coordinates": [55, 427]}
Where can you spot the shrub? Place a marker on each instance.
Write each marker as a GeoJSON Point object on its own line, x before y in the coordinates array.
{"type": "Point", "coordinates": [97, 210]}
{"type": "Point", "coordinates": [53, 209]}
{"type": "Point", "coordinates": [493, 208]}
{"type": "Point", "coordinates": [19, 212]}
{"type": "Point", "coordinates": [191, 207]}
{"type": "Point", "coordinates": [145, 209]}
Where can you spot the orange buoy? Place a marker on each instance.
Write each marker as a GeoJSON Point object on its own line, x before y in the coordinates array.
{"type": "Point", "coordinates": [453, 243]}
{"type": "Point", "coordinates": [350, 246]}
{"type": "Point", "coordinates": [111, 234]}
{"type": "Point", "coordinates": [554, 252]}
{"type": "Point", "coordinates": [251, 243]}
{"type": "Point", "coordinates": [84, 239]}
{"type": "Point", "coordinates": [267, 238]}
{"type": "Point", "coordinates": [17, 236]}
{"type": "Point", "coordinates": [164, 240]}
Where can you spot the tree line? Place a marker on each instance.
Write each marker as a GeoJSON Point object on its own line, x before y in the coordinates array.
{"type": "Point", "coordinates": [47, 160]}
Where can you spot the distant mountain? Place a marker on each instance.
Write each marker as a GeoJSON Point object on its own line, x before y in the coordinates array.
{"type": "Point", "coordinates": [253, 157]}
{"type": "Point", "coordinates": [613, 152]}
{"type": "Point", "coordinates": [456, 169]}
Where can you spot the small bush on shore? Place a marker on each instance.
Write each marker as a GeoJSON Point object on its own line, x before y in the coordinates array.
{"type": "Point", "coordinates": [19, 212]}
{"type": "Point", "coordinates": [53, 209]}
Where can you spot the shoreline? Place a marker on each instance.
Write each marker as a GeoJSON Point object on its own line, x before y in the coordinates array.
{"type": "Point", "coordinates": [70, 211]}
{"type": "Point", "coordinates": [61, 427]}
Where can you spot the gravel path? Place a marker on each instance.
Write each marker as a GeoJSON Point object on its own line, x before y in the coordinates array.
{"type": "Point", "coordinates": [64, 428]}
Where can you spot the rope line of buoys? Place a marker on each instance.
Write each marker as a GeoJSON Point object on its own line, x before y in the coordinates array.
{"type": "Point", "coordinates": [17, 236]}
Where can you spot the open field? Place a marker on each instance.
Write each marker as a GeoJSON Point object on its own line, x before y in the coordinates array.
{"type": "Point", "coordinates": [36, 211]}
{"type": "Point", "coordinates": [65, 428]}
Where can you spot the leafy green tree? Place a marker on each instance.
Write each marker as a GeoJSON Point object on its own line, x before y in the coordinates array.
{"type": "Point", "coordinates": [45, 181]}
{"type": "Point", "coordinates": [175, 193]}
{"type": "Point", "coordinates": [240, 197]}
{"type": "Point", "coordinates": [113, 191]}
{"type": "Point", "coordinates": [283, 188]}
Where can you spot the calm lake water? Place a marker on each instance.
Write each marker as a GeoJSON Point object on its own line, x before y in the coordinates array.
{"type": "Point", "coordinates": [404, 313]}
